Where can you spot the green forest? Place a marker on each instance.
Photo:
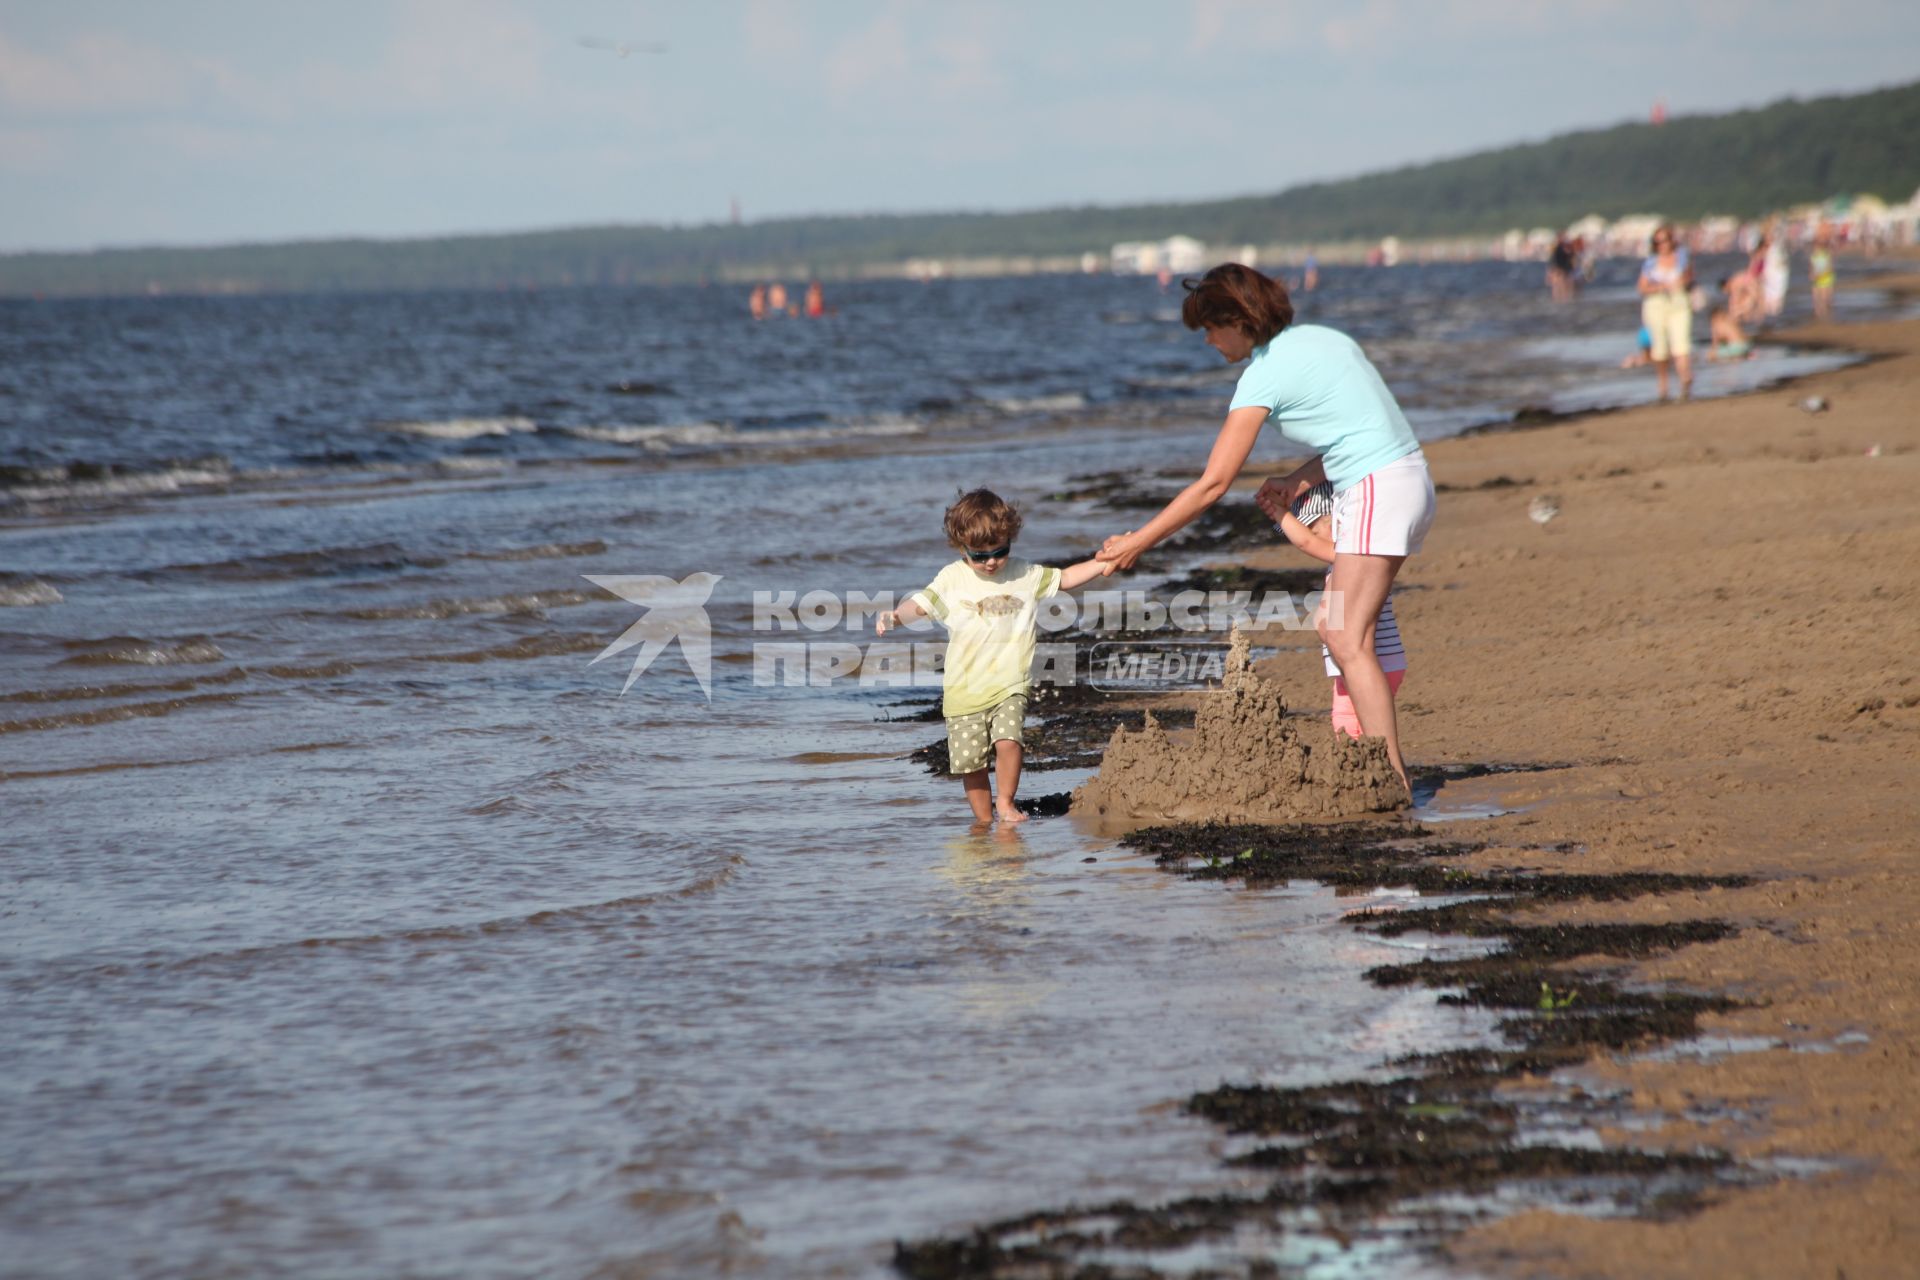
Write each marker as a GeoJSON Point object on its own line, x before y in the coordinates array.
{"type": "Point", "coordinates": [1744, 163]}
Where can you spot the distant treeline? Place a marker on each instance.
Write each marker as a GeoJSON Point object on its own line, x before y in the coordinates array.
{"type": "Point", "coordinates": [1746, 163]}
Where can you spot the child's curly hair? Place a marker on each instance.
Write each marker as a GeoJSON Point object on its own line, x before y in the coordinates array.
{"type": "Point", "coordinates": [982, 520]}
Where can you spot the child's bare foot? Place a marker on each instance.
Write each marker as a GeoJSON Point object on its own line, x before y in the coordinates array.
{"type": "Point", "coordinates": [1008, 814]}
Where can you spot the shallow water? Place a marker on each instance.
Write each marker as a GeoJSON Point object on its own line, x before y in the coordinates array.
{"type": "Point", "coordinates": [355, 923]}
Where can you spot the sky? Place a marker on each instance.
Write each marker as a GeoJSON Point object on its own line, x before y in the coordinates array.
{"type": "Point", "coordinates": [216, 121]}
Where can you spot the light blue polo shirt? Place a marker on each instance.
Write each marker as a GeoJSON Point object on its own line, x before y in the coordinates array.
{"type": "Point", "coordinates": [1322, 392]}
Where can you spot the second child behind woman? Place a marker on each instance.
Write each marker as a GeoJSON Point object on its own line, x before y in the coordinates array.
{"type": "Point", "coordinates": [1308, 525]}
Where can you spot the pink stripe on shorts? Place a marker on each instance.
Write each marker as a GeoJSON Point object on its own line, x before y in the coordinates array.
{"type": "Point", "coordinates": [1387, 513]}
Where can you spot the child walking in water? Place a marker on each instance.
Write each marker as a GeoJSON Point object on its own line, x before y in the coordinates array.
{"type": "Point", "coordinates": [1308, 526]}
{"type": "Point", "coordinates": [988, 601]}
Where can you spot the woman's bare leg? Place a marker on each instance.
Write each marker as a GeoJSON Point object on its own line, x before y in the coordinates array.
{"type": "Point", "coordinates": [1660, 372]}
{"type": "Point", "coordinates": [1360, 585]}
{"type": "Point", "coordinates": [1684, 365]}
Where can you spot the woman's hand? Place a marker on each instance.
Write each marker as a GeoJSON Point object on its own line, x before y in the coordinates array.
{"type": "Point", "coordinates": [1270, 500]}
{"type": "Point", "coordinates": [1289, 489]}
{"type": "Point", "coordinates": [1120, 551]}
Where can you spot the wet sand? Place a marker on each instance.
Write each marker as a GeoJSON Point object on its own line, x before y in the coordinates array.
{"type": "Point", "coordinates": [1719, 629]}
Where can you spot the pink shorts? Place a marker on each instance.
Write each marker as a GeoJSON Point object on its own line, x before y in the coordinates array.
{"type": "Point", "coordinates": [1345, 717]}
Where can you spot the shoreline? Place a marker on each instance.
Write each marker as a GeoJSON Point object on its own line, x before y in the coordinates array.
{"type": "Point", "coordinates": [1680, 621]}
{"type": "Point", "coordinates": [1725, 607]}
{"type": "Point", "coordinates": [1713, 631]}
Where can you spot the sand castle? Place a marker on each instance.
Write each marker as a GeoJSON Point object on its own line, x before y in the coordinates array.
{"type": "Point", "coordinates": [1243, 762]}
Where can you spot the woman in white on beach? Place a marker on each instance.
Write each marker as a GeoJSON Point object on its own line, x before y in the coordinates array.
{"type": "Point", "coordinates": [1774, 272]}
{"type": "Point", "coordinates": [1319, 390]}
{"type": "Point", "coordinates": [1666, 310]}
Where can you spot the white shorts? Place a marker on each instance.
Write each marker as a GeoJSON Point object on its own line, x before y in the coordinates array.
{"type": "Point", "coordinates": [1388, 513]}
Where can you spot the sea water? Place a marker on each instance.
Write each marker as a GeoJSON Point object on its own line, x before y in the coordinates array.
{"type": "Point", "coordinates": [356, 923]}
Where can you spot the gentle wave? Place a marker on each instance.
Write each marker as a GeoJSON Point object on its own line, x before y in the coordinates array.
{"type": "Point", "coordinates": [532, 602]}
{"type": "Point", "coordinates": [135, 651]}
{"type": "Point", "coordinates": [319, 671]}
{"type": "Point", "coordinates": [121, 766]}
{"type": "Point", "coordinates": [246, 958]}
{"type": "Point", "coordinates": [461, 428]}
{"type": "Point", "coordinates": [1064, 402]}
{"type": "Point", "coordinates": [25, 594]}
{"type": "Point", "coordinates": [546, 646]}
{"type": "Point", "coordinates": [662, 439]}
{"type": "Point", "coordinates": [108, 715]}
{"type": "Point", "coordinates": [127, 689]}
{"type": "Point", "coordinates": [654, 436]}
{"type": "Point", "coordinates": [321, 562]}
{"type": "Point", "coordinates": [51, 484]}
{"type": "Point", "coordinates": [545, 551]}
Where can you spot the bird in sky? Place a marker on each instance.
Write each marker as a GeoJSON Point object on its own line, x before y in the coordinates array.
{"type": "Point", "coordinates": [622, 47]}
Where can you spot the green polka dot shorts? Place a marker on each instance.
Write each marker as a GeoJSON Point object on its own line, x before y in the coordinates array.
{"type": "Point", "coordinates": [970, 739]}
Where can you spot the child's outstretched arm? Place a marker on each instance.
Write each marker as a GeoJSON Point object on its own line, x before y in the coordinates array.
{"type": "Point", "coordinates": [1086, 571]}
{"type": "Point", "coordinates": [887, 619]}
{"type": "Point", "coordinates": [1309, 540]}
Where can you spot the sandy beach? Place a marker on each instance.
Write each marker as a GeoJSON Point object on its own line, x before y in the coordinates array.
{"type": "Point", "coordinates": [1716, 632]}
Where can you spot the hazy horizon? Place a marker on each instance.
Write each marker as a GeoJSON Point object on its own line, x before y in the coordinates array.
{"type": "Point", "coordinates": [216, 124]}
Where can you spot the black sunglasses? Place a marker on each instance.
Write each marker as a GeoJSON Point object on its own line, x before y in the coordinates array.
{"type": "Point", "coordinates": [998, 553]}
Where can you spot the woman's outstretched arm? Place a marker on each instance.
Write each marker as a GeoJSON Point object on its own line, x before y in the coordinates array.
{"type": "Point", "coordinates": [1230, 451]}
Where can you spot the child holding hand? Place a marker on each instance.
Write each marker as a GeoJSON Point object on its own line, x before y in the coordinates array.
{"type": "Point", "coordinates": [988, 601]}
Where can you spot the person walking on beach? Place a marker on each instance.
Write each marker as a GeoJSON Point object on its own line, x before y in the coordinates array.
{"type": "Point", "coordinates": [988, 601]}
{"type": "Point", "coordinates": [1666, 279]}
{"type": "Point", "coordinates": [1319, 390]}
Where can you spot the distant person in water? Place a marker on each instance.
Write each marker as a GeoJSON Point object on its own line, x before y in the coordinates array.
{"type": "Point", "coordinates": [1726, 340]}
{"type": "Point", "coordinates": [1820, 268]}
{"type": "Point", "coordinates": [777, 298]}
{"type": "Point", "coordinates": [1666, 280]}
{"type": "Point", "coordinates": [1743, 297]}
{"type": "Point", "coordinates": [1561, 265]}
{"type": "Point", "coordinates": [989, 603]}
{"type": "Point", "coordinates": [816, 300]}
{"type": "Point", "coordinates": [1642, 351]}
{"type": "Point", "coordinates": [757, 302]}
{"type": "Point", "coordinates": [1310, 277]}
{"type": "Point", "coordinates": [1319, 391]}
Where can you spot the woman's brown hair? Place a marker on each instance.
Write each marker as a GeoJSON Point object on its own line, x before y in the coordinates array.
{"type": "Point", "coordinates": [1233, 296]}
{"type": "Point", "coordinates": [981, 521]}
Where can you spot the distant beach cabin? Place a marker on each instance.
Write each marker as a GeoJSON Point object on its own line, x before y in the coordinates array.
{"type": "Point", "coordinates": [1179, 254]}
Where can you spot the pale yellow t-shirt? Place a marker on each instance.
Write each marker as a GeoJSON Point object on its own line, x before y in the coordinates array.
{"type": "Point", "coordinates": [990, 624]}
